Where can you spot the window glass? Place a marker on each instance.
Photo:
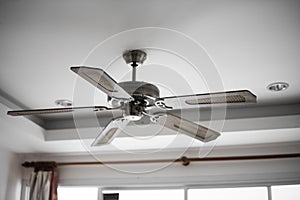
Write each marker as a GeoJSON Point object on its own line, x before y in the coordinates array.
{"type": "Point", "coordinates": [250, 193]}
{"type": "Point", "coordinates": [174, 194]}
{"type": "Point", "coordinates": [284, 192]}
{"type": "Point", "coordinates": [77, 193]}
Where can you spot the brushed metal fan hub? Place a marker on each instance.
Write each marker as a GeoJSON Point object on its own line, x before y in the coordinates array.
{"type": "Point", "coordinates": [144, 95]}
{"type": "Point", "coordinates": [133, 111]}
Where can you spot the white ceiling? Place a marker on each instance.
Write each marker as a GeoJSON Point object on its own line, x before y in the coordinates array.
{"type": "Point", "coordinates": [249, 43]}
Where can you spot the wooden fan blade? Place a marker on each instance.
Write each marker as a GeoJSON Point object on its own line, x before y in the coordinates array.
{"type": "Point", "coordinates": [100, 79]}
{"type": "Point", "coordinates": [54, 110]}
{"type": "Point", "coordinates": [187, 127]}
{"type": "Point", "coordinates": [239, 96]}
{"type": "Point", "coordinates": [114, 127]}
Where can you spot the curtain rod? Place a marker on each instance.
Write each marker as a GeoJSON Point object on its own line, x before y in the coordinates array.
{"type": "Point", "coordinates": [184, 160]}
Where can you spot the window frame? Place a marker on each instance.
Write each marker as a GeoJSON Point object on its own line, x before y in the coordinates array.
{"type": "Point", "coordinates": [25, 187]}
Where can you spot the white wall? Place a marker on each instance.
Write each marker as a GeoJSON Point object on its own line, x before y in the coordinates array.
{"type": "Point", "coordinates": [10, 175]}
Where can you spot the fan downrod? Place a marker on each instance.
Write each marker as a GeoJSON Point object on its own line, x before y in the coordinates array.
{"type": "Point", "coordinates": [134, 58]}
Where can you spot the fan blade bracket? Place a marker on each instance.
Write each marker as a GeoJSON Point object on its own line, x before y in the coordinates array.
{"type": "Point", "coordinates": [54, 110]}
{"type": "Point", "coordinates": [159, 103]}
{"type": "Point", "coordinates": [100, 108]}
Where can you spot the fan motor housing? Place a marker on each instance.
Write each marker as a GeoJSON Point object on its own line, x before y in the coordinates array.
{"type": "Point", "coordinates": [140, 88]}
{"type": "Point", "coordinates": [143, 93]}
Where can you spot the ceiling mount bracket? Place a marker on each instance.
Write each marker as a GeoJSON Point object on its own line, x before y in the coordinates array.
{"type": "Point", "coordinates": [134, 58]}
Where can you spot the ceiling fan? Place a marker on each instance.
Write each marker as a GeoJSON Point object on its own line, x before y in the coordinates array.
{"type": "Point", "coordinates": [137, 99]}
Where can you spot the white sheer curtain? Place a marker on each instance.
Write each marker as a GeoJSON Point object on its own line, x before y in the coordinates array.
{"type": "Point", "coordinates": [43, 185]}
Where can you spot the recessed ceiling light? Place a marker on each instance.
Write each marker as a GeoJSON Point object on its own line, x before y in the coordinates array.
{"type": "Point", "coordinates": [278, 86]}
{"type": "Point", "coordinates": [63, 102]}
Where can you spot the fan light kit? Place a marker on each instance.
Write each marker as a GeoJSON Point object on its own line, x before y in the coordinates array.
{"type": "Point", "coordinates": [138, 99]}
{"type": "Point", "coordinates": [278, 86]}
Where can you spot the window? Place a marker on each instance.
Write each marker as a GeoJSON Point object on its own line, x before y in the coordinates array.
{"type": "Point", "coordinates": [250, 193]}
{"type": "Point", "coordinates": [77, 193]}
{"type": "Point", "coordinates": [174, 194]}
{"type": "Point", "coordinates": [283, 192]}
